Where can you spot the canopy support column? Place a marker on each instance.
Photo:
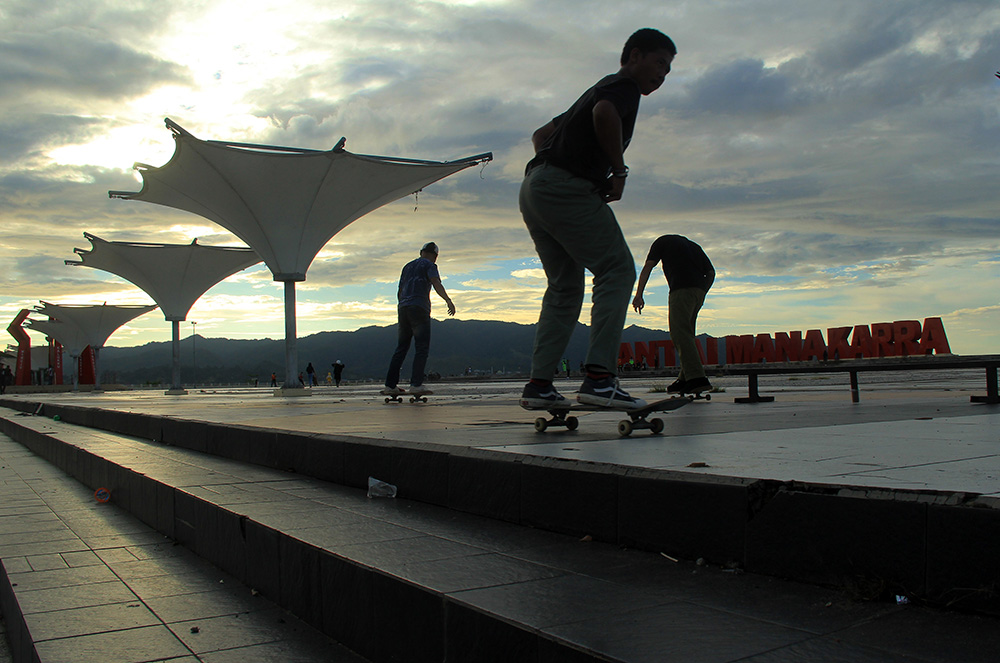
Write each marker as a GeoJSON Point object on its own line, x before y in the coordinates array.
{"type": "Point", "coordinates": [176, 389]}
{"type": "Point", "coordinates": [291, 387]}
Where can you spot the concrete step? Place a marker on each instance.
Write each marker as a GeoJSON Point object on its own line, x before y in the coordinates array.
{"type": "Point", "coordinates": [398, 580]}
{"type": "Point", "coordinates": [82, 580]}
{"type": "Point", "coordinates": [803, 530]}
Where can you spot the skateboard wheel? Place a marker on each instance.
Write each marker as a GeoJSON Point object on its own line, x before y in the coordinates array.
{"type": "Point", "coordinates": [624, 427]}
{"type": "Point", "coordinates": [572, 423]}
{"type": "Point", "coordinates": [387, 399]}
{"type": "Point", "coordinates": [541, 425]}
{"type": "Point", "coordinates": [656, 425]}
{"type": "Point", "coordinates": [708, 397]}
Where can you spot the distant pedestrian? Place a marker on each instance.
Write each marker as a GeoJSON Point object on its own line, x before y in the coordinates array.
{"type": "Point", "coordinates": [6, 378]}
{"type": "Point", "coordinates": [338, 371]}
{"type": "Point", "coordinates": [690, 275]}
{"type": "Point", "coordinates": [414, 313]}
{"type": "Point", "coordinates": [274, 379]}
{"type": "Point", "coordinates": [301, 379]}
{"type": "Point", "coordinates": [311, 374]}
{"type": "Point", "coordinates": [329, 378]}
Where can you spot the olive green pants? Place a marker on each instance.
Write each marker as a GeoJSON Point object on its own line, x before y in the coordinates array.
{"type": "Point", "coordinates": [684, 306]}
{"type": "Point", "coordinates": [574, 229]}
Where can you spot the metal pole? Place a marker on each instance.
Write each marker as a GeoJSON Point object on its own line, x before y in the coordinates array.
{"type": "Point", "coordinates": [291, 351]}
{"type": "Point", "coordinates": [176, 378]}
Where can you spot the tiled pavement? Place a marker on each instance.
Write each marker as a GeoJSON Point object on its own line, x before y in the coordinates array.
{"type": "Point", "coordinates": [92, 583]}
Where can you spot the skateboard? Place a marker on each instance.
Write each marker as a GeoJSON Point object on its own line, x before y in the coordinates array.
{"type": "Point", "coordinates": [562, 417]}
{"type": "Point", "coordinates": [398, 398]}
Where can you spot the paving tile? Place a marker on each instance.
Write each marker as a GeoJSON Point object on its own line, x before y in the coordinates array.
{"type": "Point", "coordinates": [15, 564]}
{"type": "Point", "coordinates": [458, 574]}
{"type": "Point", "coordinates": [150, 568]}
{"type": "Point", "coordinates": [175, 585]}
{"type": "Point", "coordinates": [829, 650]}
{"type": "Point", "coordinates": [45, 521]}
{"type": "Point", "coordinates": [695, 635]}
{"type": "Point", "coordinates": [122, 540]}
{"type": "Point", "coordinates": [75, 596]}
{"type": "Point", "coordinates": [92, 619]}
{"type": "Point", "coordinates": [201, 605]}
{"type": "Point", "coordinates": [42, 548]}
{"type": "Point", "coordinates": [62, 577]}
{"type": "Point", "coordinates": [112, 556]}
{"type": "Point", "coordinates": [365, 531]}
{"type": "Point", "coordinates": [231, 631]}
{"type": "Point", "coordinates": [547, 602]}
{"type": "Point", "coordinates": [935, 635]}
{"type": "Point", "coordinates": [151, 643]}
{"type": "Point", "coordinates": [324, 650]}
{"type": "Point", "coordinates": [47, 562]}
{"type": "Point", "coordinates": [412, 549]}
{"type": "Point", "coordinates": [82, 558]}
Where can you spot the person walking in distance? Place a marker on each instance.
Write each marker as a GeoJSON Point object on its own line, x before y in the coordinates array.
{"type": "Point", "coordinates": [690, 275]}
{"type": "Point", "coordinates": [578, 169]}
{"type": "Point", "coordinates": [414, 313]}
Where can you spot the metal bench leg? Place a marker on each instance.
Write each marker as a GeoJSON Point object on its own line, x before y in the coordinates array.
{"type": "Point", "coordinates": [855, 392]}
{"type": "Point", "coordinates": [753, 396]}
{"type": "Point", "coordinates": [991, 388]}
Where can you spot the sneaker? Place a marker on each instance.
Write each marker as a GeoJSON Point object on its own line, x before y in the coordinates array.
{"type": "Point", "coordinates": [535, 397]}
{"type": "Point", "coordinates": [697, 385]}
{"type": "Point", "coordinates": [605, 392]}
{"type": "Point", "coordinates": [420, 390]}
{"type": "Point", "coordinates": [392, 391]}
{"type": "Point", "coordinates": [676, 387]}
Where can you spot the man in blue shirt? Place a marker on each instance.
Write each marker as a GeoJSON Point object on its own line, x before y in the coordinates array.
{"type": "Point", "coordinates": [414, 310]}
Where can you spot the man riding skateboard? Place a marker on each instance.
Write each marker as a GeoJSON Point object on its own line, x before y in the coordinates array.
{"type": "Point", "coordinates": [690, 275]}
{"type": "Point", "coordinates": [414, 312]}
{"type": "Point", "coordinates": [578, 168]}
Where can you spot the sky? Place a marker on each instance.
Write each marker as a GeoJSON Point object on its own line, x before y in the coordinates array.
{"type": "Point", "coordinates": [838, 161]}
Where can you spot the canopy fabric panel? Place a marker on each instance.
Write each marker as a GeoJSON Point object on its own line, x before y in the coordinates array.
{"type": "Point", "coordinates": [175, 276]}
{"type": "Point", "coordinates": [69, 335]}
{"type": "Point", "coordinates": [285, 203]}
{"type": "Point", "coordinates": [95, 322]}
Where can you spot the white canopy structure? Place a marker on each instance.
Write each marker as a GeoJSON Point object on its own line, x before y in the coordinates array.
{"type": "Point", "coordinates": [175, 276]}
{"type": "Point", "coordinates": [94, 324]}
{"type": "Point", "coordinates": [71, 337]}
{"type": "Point", "coordinates": [285, 203]}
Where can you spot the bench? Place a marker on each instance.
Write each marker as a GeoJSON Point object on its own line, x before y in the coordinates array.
{"type": "Point", "coordinates": [855, 366]}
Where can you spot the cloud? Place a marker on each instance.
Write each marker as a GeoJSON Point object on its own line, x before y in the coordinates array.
{"type": "Point", "coordinates": [836, 160]}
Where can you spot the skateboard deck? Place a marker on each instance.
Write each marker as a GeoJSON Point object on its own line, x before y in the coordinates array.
{"type": "Point", "coordinates": [398, 398]}
{"type": "Point", "coordinates": [562, 417]}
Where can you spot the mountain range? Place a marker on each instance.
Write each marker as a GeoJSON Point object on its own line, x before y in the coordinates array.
{"type": "Point", "coordinates": [458, 347]}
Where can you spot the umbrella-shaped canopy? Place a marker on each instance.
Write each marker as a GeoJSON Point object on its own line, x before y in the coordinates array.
{"type": "Point", "coordinates": [96, 323]}
{"type": "Point", "coordinates": [69, 335]}
{"type": "Point", "coordinates": [285, 203]}
{"type": "Point", "coordinates": [174, 275]}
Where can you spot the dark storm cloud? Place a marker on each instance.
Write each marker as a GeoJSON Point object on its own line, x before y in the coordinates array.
{"type": "Point", "coordinates": [745, 86]}
{"type": "Point", "coordinates": [78, 63]}
{"type": "Point", "coordinates": [23, 135]}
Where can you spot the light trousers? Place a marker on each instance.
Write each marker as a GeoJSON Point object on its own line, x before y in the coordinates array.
{"type": "Point", "coordinates": [573, 230]}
